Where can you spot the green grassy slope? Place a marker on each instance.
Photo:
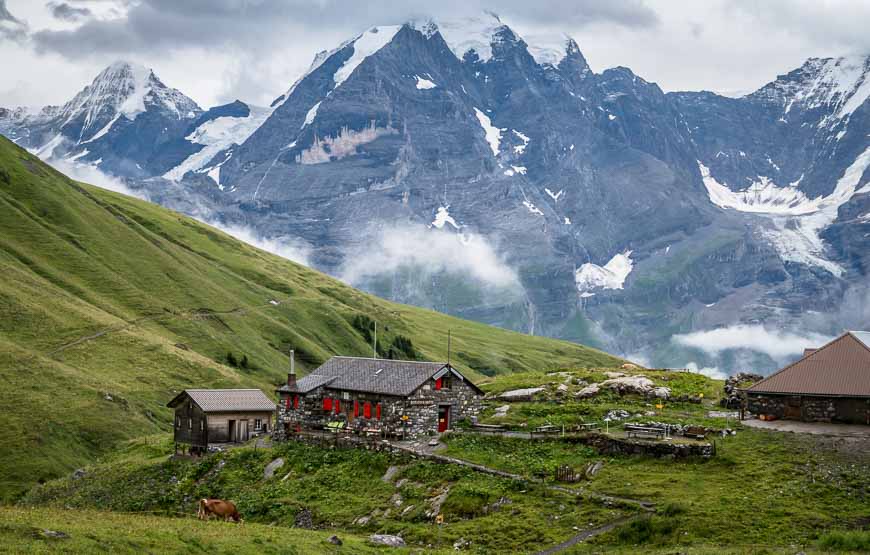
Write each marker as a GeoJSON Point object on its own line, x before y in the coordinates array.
{"type": "Point", "coordinates": [109, 305]}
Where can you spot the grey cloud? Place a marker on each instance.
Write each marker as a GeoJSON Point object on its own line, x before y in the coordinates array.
{"type": "Point", "coordinates": [11, 28]}
{"type": "Point", "coordinates": [160, 25]}
{"type": "Point", "coordinates": [68, 12]}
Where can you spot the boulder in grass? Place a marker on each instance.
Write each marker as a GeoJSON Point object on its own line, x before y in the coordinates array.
{"type": "Point", "coordinates": [270, 469]}
{"type": "Point", "coordinates": [521, 394]}
{"type": "Point", "coordinates": [387, 539]}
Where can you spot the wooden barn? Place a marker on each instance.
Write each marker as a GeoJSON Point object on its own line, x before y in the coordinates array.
{"type": "Point", "coordinates": [208, 416]}
{"type": "Point", "coordinates": [828, 384]}
{"type": "Point", "coordinates": [377, 395]}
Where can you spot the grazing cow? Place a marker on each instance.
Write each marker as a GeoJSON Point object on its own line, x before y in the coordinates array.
{"type": "Point", "coordinates": [219, 508]}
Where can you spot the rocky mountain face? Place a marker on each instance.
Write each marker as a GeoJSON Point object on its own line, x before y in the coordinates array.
{"type": "Point", "coordinates": [455, 166]}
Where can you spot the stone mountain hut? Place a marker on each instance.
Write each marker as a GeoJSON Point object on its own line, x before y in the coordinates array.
{"type": "Point", "coordinates": [206, 416]}
{"type": "Point", "coordinates": [368, 394]}
{"type": "Point", "coordinates": [828, 384]}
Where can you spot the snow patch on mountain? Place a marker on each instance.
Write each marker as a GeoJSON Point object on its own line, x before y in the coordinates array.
{"type": "Point", "coordinates": [364, 46]}
{"type": "Point", "coordinates": [424, 84]}
{"type": "Point", "coordinates": [612, 275]}
{"type": "Point", "coordinates": [552, 195]}
{"type": "Point", "coordinates": [474, 33]}
{"type": "Point", "coordinates": [443, 217]}
{"type": "Point", "coordinates": [798, 239]}
{"type": "Point", "coordinates": [217, 135]}
{"type": "Point", "coordinates": [311, 114]}
{"type": "Point", "coordinates": [532, 208]}
{"type": "Point", "coordinates": [519, 149]}
{"type": "Point", "coordinates": [493, 134]}
{"type": "Point", "coordinates": [762, 197]}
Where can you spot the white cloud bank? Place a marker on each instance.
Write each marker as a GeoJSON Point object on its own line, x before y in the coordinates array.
{"type": "Point", "coordinates": [776, 344]}
{"type": "Point", "coordinates": [91, 174]}
{"type": "Point", "coordinates": [287, 247]}
{"type": "Point", "coordinates": [709, 371]}
{"type": "Point", "coordinates": [396, 247]}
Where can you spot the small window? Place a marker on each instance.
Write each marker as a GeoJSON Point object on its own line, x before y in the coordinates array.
{"type": "Point", "coordinates": [177, 421]}
{"type": "Point", "coordinates": [202, 425]}
{"type": "Point", "coordinates": [190, 423]}
{"type": "Point", "coordinates": [258, 424]}
{"type": "Point", "coordinates": [445, 382]}
{"type": "Point", "coordinates": [345, 395]}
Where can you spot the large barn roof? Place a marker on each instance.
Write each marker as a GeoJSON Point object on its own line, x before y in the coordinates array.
{"type": "Point", "coordinates": [372, 375]}
{"type": "Point", "coordinates": [227, 400]}
{"type": "Point", "coordinates": [840, 368]}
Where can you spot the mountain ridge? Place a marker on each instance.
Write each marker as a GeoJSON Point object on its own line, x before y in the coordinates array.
{"type": "Point", "coordinates": [559, 169]}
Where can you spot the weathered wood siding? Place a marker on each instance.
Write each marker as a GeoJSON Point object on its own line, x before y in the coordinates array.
{"type": "Point", "coordinates": [189, 425]}
{"type": "Point", "coordinates": [219, 424]}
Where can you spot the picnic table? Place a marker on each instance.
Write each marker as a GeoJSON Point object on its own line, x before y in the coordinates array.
{"type": "Point", "coordinates": [335, 427]}
{"type": "Point", "coordinates": [368, 432]}
{"type": "Point", "coordinates": [588, 426]}
{"type": "Point", "coordinates": [545, 430]}
{"type": "Point", "coordinates": [643, 431]}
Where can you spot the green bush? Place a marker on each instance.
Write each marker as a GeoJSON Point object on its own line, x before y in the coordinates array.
{"type": "Point", "coordinates": [646, 531]}
{"type": "Point", "coordinates": [846, 540]}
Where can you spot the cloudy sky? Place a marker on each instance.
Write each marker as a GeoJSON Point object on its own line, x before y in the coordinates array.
{"type": "Point", "coordinates": [219, 50]}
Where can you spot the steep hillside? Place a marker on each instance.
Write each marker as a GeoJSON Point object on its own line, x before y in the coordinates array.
{"type": "Point", "coordinates": [109, 305]}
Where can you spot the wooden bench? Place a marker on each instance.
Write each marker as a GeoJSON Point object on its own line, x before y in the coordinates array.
{"type": "Point", "coordinates": [588, 426]}
{"type": "Point", "coordinates": [546, 430]}
{"type": "Point", "coordinates": [641, 431]}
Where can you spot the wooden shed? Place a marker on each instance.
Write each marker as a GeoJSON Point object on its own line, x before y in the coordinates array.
{"type": "Point", "coordinates": [209, 416]}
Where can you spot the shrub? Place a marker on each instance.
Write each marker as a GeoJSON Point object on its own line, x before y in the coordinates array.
{"type": "Point", "coordinates": [846, 540]}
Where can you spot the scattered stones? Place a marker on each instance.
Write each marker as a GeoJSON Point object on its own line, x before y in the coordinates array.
{"type": "Point", "coordinates": [614, 375]}
{"type": "Point", "coordinates": [520, 394]}
{"type": "Point", "coordinates": [397, 500]}
{"type": "Point", "coordinates": [386, 539]}
{"type": "Point", "coordinates": [407, 510]}
{"type": "Point", "coordinates": [304, 519]}
{"type": "Point", "coordinates": [390, 473]}
{"type": "Point", "coordinates": [501, 411]}
{"type": "Point", "coordinates": [461, 544]}
{"type": "Point", "coordinates": [334, 540]}
{"type": "Point", "coordinates": [502, 501]}
{"type": "Point", "coordinates": [617, 414]}
{"type": "Point", "coordinates": [562, 387]}
{"type": "Point", "coordinates": [593, 469]}
{"type": "Point", "coordinates": [590, 390]}
{"type": "Point", "coordinates": [54, 534]}
{"type": "Point", "coordinates": [79, 473]}
{"type": "Point", "coordinates": [732, 397]}
{"type": "Point", "coordinates": [269, 471]}
{"type": "Point", "coordinates": [363, 520]}
{"type": "Point", "coordinates": [436, 502]}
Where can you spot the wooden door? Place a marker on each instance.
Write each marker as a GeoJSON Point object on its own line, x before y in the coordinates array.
{"type": "Point", "coordinates": [443, 418]}
{"type": "Point", "coordinates": [793, 408]}
{"type": "Point", "coordinates": [243, 430]}
{"type": "Point", "coordinates": [231, 435]}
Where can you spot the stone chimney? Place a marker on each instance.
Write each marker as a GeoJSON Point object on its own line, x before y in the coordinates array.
{"type": "Point", "coordinates": [291, 377]}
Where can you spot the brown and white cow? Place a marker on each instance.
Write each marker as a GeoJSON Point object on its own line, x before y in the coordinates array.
{"type": "Point", "coordinates": [219, 508]}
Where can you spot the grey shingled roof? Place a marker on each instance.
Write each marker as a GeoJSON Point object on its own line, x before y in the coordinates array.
{"type": "Point", "coordinates": [840, 368]}
{"type": "Point", "coordinates": [227, 400]}
{"type": "Point", "coordinates": [370, 375]}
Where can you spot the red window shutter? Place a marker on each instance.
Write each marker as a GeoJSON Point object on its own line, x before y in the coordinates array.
{"type": "Point", "coordinates": [337, 406]}
{"type": "Point", "coordinates": [356, 408]}
{"type": "Point", "coordinates": [378, 411]}
{"type": "Point", "coordinates": [327, 403]}
{"type": "Point", "coordinates": [287, 403]}
{"type": "Point", "coordinates": [296, 401]}
{"type": "Point", "coordinates": [367, 410]}
{"type": "Point", "coordinates": [438, 383]}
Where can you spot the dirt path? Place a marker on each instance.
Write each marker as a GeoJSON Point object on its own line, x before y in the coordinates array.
{"type": "Point", "coordinates": [586, 534]}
